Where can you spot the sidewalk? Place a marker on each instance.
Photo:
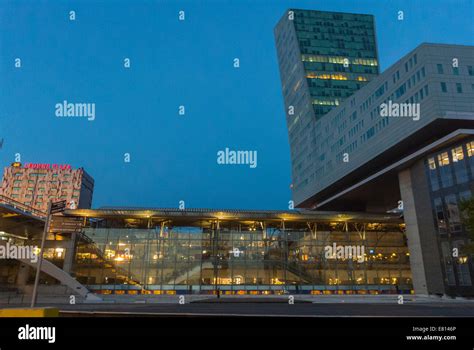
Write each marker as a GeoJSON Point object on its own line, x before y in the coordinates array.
{"type": "Point", "coordinates": [175, 299]}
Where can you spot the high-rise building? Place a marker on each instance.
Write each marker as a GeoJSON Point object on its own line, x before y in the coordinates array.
{"type": "Point", "coordinates": [324, 57]}
{"type": "Point", "coordinates": [34, 185]}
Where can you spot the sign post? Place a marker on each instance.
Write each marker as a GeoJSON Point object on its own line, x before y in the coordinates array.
{"type": "Point", "coordinates": [53, 208]}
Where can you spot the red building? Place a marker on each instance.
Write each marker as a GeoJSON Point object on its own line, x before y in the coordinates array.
{"type": "Point", "coordinates": [34, 185]}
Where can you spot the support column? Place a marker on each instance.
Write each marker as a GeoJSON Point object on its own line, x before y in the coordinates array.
{"type": "Point", "coordinates": [70, 253]}
{"type": "Point", "coordinates": [421, 232]}
{"type": "Point", "coordinates": [22, 276]}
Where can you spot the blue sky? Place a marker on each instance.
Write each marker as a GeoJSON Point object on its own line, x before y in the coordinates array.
{"type": "Point", "coordinates": [173, 63]}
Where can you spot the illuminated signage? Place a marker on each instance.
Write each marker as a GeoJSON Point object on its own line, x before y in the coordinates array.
{"type": "Point", "coordinates": [16, 164]}
{"type": "Point", "coordinates": [47, 166]}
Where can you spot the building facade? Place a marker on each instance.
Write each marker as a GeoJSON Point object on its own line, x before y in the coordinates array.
{"type": "Point", "coordinates": [34, 185]}
{"type": "Point", "coordinates": [203, 251]}
{"type": "Point", "coordinates": [354, 140]}
{"type": "Point", "coordinates": [324, 57]}
{"type": "Point", "coordinates": [449, 180]}
{"type": "Point", "coordinates": [240, 252]}
{"type": "Point", "coordinates": [371, 153]}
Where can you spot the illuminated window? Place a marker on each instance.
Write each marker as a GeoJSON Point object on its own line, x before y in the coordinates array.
{"type": "Point", "coordinates": [313, 75]}
{"type": "Point", "coordinates": [432, 164]}
{"type": "Point", "coordinates": [443, 159]}
{"type": "Point", "coordinates": [326, 102]}
{"type": "Point", "coordinates": [339, 60]}
{"type": "Point", "coordinates": [470, 148]}
{"type": "Point", "coordinates": [457, 154]}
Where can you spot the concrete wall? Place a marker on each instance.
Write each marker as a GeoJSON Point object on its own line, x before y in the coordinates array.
{"type": "Point", "coordinates": [421, 232]}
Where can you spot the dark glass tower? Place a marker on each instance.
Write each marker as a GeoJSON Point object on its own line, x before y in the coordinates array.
{"type": "Point", "coordinates": [324, 57]}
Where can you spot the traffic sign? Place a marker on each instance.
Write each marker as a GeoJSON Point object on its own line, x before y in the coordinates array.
{"type": "Point", "coordinates": [58, 207]}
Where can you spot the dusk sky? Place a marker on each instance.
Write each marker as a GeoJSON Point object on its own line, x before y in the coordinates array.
{"type": "Point", "coordinates": [173, 63]}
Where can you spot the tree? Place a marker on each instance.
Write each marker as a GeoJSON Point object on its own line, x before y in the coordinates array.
{"type": "Point", "coordinates": [467, 216]}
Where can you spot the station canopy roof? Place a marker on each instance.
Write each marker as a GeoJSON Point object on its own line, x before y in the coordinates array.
{"type": "Point", "coordinates": [301, 215]}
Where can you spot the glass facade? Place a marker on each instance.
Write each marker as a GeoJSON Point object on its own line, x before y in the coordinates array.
{"type": "Point", "coordinates": [323, 57]}
{"type": "Point", "coordinates": [124, 255]}
{"type": "Point", "coordinates": [451, 176]}
{"type": "Point", "coordinates": [339, 55]}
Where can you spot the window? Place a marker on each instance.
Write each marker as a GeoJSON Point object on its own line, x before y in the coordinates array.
{"type": "Point", "coordinates": [443, 87]}
{"type": "Point", "coordinates": [470, 70]}
{"type": "Point", "coordinates": [426, 90]}
{"type": "Point", "coordinates": [470, 149]}
{"type": "Point", "coordinates": [457, 154]}
{"type": "Point", "coordinates": [459, 165]}
{"type": "Point", "coordinates": [445, 170]}
{"type": "Point", "coordinates": [470, 154]}
{"type": "Point", "coordinates": [433, 174]}
{"type": "Point", "coordinates": [440, 68]}
{"type": "Point", "coordinates": [455, 70]}
{"type": "Point", "coordinates": [431, 164]}
{"type": "Point", "coordinates": [459, 88]}
{"type": "Point", "coordinates": [443, 159]}
{"type": "Point", "coordinates": [448, 263]}
{"type": "Point", "coordinates": [464, 277]}
{"type": "Point", "coordinates": [414, 59]}
{"type": "Point", "coordinates": [440, 220]}
{"type": "Point", "coordinates": [452, 212]}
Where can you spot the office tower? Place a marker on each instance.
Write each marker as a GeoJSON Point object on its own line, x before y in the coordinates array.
{"type": "Point", "coordinates": [324, 57]}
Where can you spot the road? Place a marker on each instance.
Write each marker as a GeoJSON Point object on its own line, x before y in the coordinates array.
{"type": "Point", "coordinates": [273, 309]}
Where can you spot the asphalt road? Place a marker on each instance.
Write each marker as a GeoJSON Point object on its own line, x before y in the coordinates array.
{"type": "Point", "coordinates": [272, 309]}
